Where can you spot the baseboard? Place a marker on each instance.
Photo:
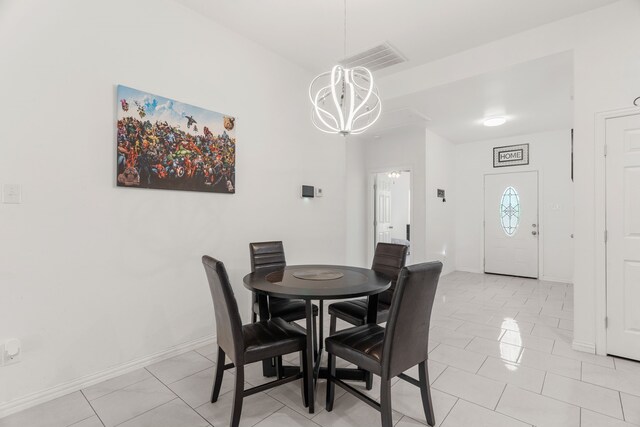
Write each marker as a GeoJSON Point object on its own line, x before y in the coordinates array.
{"type": "Point", "coordinates": [469, 270]}
{"type": "Point", "coordinates": [480, 271]}
{"type": "Point", "coordinates": [554, 279]}
{"type": "Point", "coordinates": [443, 274]}
{"type": "Point", "coordinates": [585, 347]}
{"type": "Point", "coordinates": [46, 395]}
{"type": "Point", "coordinates": [447, 271]}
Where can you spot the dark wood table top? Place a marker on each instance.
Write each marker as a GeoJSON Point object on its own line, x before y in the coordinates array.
{"type": "Point", "coordinates": [317, 282]}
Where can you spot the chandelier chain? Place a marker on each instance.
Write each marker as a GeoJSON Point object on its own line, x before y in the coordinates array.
{"type": "Point", "coordinates": [345, 28]}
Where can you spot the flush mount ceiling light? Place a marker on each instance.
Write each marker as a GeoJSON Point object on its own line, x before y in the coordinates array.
{"type": "Point", "coordinates": [495, 121]}
{"type": "Point", "coordinates": [345, 100]}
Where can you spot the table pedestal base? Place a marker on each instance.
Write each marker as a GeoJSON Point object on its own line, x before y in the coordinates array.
{"type": "Point", "coordinates": [313, 353]}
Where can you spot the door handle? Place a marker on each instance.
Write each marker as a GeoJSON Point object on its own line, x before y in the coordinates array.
{"type": "Point", "coordinates": [534, 233]}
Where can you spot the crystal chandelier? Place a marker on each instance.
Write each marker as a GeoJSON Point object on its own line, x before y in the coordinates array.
{"type": "Point", "coordinates": [345, 100]}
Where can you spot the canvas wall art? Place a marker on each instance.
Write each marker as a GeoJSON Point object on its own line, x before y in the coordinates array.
{"type": "Point", "coordinates": [170, 145]}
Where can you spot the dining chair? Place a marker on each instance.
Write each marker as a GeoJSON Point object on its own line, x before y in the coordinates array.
{"type": "Point", "coordinates": [389, 352]}
{"type": "Point", "coordinates": [245, 344]}
{"type": "Point", "coordinates": [388, 259]}
{"type": "Point", "coordinates": [269, 256]}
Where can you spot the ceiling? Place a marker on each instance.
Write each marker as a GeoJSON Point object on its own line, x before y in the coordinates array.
{"type": "Point", "coordinates": [534, 96]}
{"type": "Point", "coordinates": [310, 32]}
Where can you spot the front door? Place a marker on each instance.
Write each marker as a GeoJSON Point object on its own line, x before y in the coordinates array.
{"type": "Point", "coordinates": [623, 236]}
{"type": "Point", "coordinates": [511, 224]}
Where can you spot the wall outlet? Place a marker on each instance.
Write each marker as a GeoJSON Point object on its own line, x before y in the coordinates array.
{"type": "Point", "coordinates": [10, 352]}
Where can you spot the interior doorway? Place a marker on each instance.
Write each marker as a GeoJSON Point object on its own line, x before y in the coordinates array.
{"type": "Point", "coordinates": [511, 227]}
{"type": "Point", "coordinates": [392, 208]}
{"type": "Point", "coordinates": [622, 235]}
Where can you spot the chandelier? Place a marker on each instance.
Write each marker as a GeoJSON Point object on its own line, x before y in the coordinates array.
{"type": "Point", "coordinates": [345, 100]}
{"type": "Point", "coordinates": [394, 174]}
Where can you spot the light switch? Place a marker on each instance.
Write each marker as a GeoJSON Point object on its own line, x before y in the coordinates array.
{"type": "Point", "coordinates": [11, 193]}
{"type": "Point", "coordinates": [10, 352]}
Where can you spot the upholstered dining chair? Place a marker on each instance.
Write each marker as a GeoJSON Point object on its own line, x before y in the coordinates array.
{"type": "Point", "coordinates": [390, 351]}
{"type": "Point", "coordinates": [388, 259]}
{"type": "Point", "coordinates": [245, 344]}
{"type": "Point", "coordinates": [269, 256]}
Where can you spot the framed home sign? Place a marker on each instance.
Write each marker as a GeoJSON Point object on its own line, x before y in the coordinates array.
{"type": "Point", "coordinates": [511, 155]}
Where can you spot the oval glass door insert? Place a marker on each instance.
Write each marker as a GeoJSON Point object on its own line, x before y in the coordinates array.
{"type": "Point", "coordinates": [510, 211]}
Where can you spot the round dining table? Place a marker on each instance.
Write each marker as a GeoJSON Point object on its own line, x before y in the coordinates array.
{"type": "Point", "coordinates": [317, 282]}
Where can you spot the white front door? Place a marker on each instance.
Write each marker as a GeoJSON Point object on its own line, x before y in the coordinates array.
{"type": "Point", "coordinates": [623, 236]}
{"type": "Point", "coordinates": [511, 226]}
{"type": "Point", "coordinates": [383, 224]}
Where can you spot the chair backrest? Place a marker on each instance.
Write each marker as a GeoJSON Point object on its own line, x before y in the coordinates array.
{"type": "Point", "coordinates": [228, 321]}
{"type": "Point", "coordinates": [267, 256]}
{"type": "Point", "coordinates": [388, 260]}
{"type": "Point", "coordinates": [406, 338]}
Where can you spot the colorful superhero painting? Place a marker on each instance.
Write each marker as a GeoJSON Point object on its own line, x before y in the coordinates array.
{"type": "Point", "coordinates": [159, 145]}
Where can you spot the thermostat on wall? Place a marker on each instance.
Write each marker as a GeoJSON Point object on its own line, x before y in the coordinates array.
{"type": "Point", "coordinates": [308, 191]}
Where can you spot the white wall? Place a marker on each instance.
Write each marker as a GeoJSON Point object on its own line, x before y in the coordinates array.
{"type": "Point", "coordinates": [93, 276]}
{"type": "Point", "coordinates": [400, 149]}
{"type": "Point", "coordinates": [550, 155]}
{"type": "Point", "coordinates": [606, 69]}
{"type": "Point", "coordinates": [400, 209]}
{"type": "Point", "coordinates": [431, 161]}
{"type": "Point", "coordinates": [440, 174]}
{"type": "Point", "coordinates": [607, 66]}
{"type": "Point", "coordinates": [356, 189]}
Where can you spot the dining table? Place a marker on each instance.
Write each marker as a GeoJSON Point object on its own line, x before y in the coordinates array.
{"type": "Point", "coordinates": [317, 282]}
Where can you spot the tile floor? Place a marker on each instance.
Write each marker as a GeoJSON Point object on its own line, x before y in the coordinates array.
{"type": "Point", "coordinates": [500, 356]}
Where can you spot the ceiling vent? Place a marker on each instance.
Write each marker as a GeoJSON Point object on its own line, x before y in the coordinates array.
{"type": "Point", "coordinates": [376, 58]}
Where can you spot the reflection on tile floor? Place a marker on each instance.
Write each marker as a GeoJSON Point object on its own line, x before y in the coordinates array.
{"type": "Point", "coordinates": [500, 356]}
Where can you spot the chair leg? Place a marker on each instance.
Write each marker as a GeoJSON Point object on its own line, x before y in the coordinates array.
{"type": "Point", "coordinates": [425, 391]}
{"type": "Point", "coordinates": [303, 366]}
{"type": "Point", "coordinates": [279, 368]}
{"type": "Point", "coordinates": [385, 402]}
{"type": "Point", "coordinates": [315, 337]}
{"type": "Point", "coordinates": [321, 325]}
{"type": "Point", "coordinates": [332, 325]}
{"type": "Point", "coordinates": [307, 376]}
{"type": "Point", "coordinates": [368, 377]}
{"type": "Point", "coordinates": [368, 380]}
{"type": "Point", "coordinates": [331, 387]}
{"type": "Point", "coordinates": [309, 352]}
{"type": "Point", "coordinates": [217, 382]}
{"type": "Point", "coordinates": [238, 394]}
{"type": "Point", "coordinates": [254, 317]}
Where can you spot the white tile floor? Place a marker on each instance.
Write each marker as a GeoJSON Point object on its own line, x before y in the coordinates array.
{"type": "Point", "coordinates": [500, 356]}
